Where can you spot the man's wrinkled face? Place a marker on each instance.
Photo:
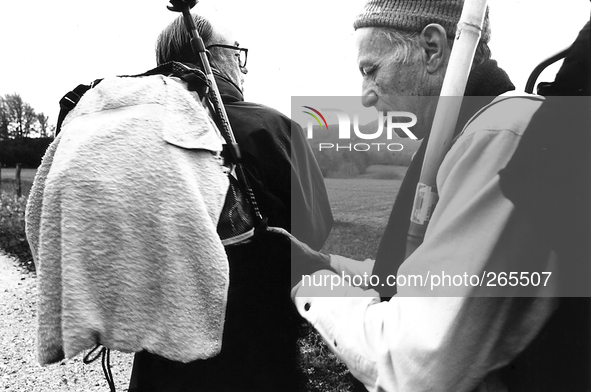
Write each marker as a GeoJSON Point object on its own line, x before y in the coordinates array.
{"type": "Point", "coordinates": [388, 83]}
{"type": "Point", "coordinates": [228, 62]}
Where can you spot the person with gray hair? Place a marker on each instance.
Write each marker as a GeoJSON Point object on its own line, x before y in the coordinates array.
{"type": "Point", "coordinates": [173, 44]}
{"type": "Point", "coordinates": [442, 335]}
{"type": "Point", "coordinates": [259, 346]}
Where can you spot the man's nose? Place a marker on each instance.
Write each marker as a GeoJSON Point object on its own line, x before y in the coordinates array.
{"type": "Point", "coordinates": [369, 98]}
{"type": "Point", "coordinates": [244, 70]}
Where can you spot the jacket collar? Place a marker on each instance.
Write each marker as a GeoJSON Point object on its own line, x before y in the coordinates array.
{"type": "Point", "coordinates": [228, 90]}
{"type": "Point", "coordinates": [487, 79]}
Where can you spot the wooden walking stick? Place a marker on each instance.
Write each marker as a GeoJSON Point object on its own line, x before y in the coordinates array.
{"type": "Point", "coordinates": [446, 116]}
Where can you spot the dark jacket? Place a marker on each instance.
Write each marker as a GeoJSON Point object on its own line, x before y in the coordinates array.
{"type": "Point", "coordinates": [259, 347]}
{"type": "Point", "coordinates": [549, 180]}
{"type": "Point", "coordinates": [272, 146]}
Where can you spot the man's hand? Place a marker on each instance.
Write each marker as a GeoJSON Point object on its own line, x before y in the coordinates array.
{"type": "Point", "coordinates": [304, 260]}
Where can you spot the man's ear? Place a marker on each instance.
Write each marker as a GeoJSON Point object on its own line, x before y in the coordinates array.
{"type": "Point", "coordinates": [433, 41]}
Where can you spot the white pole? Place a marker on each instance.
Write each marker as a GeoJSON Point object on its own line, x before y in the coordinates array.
{"type": "Point", "coordinates": [446, 115]}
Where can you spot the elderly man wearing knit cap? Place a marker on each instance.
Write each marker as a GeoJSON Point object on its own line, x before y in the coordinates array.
{"type": "Point", "coordinates": [428, 334]}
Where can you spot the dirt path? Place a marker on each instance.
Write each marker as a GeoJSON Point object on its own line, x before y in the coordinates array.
{"type": "Point", "coordinates": [19, 369]}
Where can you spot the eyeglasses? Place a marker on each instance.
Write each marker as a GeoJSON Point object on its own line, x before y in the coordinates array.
{"type": "Point", "coordinates": [242, 53]}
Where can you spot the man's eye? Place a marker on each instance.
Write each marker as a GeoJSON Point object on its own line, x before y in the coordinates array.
{"type": "Point", "coordinates": [367, 71]}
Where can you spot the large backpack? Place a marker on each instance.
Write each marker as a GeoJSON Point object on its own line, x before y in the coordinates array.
{"type": "Point", "coordinates": [237, 221]}
{"type": "Point", "coordinates": [135, 195]}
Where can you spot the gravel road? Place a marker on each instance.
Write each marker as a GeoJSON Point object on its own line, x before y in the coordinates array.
{"type": "Point", "coordinates": [19, 369]}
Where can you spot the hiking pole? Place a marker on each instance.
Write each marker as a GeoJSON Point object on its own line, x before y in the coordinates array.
{"type": "Point", "coordinates": [198, 46]}
{"type": "Point", "coordinates": [446, 116]}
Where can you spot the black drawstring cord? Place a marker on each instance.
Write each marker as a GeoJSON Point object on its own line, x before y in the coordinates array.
{"type": "Point", "coordinates": [105, 353]}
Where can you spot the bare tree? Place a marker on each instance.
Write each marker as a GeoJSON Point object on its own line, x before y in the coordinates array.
{"type": "Point", "coordinates": [15, 111]}
{"type": "Point", "coordinates": [30, 121]}
{"type": "Point", "coordinates": [18, 119]}
{"type": "Point", "coordinates": [44, 128]}
{"type": "Point", "coordinates": [21, 117]}
{"type": "Point", "coordinates": [4, 122]}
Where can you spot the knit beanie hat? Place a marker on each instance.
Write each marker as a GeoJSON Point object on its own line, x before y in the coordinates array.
{"type": "Point", "coordinates": [414, 15]}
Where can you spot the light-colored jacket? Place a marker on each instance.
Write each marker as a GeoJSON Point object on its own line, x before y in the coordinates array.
{"type": "Point", "coordinates": [447, 337]}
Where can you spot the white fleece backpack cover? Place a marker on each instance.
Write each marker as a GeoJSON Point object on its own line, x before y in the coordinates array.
{"type": "Point", "coordinates": [122, 221]}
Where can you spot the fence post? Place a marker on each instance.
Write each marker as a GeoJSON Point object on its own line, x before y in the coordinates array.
{"type": "Point", "coordinates": [18, 180]}
{"type": "Point", "coordinates": [0, 178]}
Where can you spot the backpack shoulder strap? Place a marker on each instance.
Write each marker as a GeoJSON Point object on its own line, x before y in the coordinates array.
{"type": "Point", "coordinates": [189, 73]}
{"type": "Point", "coordinates": [70, 100]}
{"type": "Point", "coordinates": [194, 77]}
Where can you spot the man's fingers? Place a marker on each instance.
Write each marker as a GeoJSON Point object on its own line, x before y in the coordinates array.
{"type": "Point", "coordinates": [279, 230]}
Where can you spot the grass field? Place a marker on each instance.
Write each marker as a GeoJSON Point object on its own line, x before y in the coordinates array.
{"type": "Point", "coordinates": [10, 172]}
{"type": "Point", "coordinates": [9, 185]}
{"type": "Point", "coordinates": [362, 201]}
{"type": "Point", "coordinates": [361, 208]}
{"type": "Point", "coordinates": [384, 172]}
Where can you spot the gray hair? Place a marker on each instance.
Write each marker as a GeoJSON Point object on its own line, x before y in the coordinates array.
{"type": "Point", "coordinates": [408, 46]}
{"type": "Point", "coordinates": [174, 42]}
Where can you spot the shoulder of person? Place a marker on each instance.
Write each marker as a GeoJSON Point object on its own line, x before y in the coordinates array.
{"type": "Point", "coordinates": [511, 111]}
{"type": "Point", "coordinates": [267, 118]}
{"type": "Point", "coordinates": [260, 108]}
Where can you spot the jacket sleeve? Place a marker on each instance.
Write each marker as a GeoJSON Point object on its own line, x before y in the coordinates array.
{"type": "Point", "coordinates": [310, 209]}
{"type": "Point", "coordinates": [425, 338]}
{"type": "Point", "coordinates": [285, 175]}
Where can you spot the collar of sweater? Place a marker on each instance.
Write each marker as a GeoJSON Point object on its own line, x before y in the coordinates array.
{"type": "Point", "coordinates": [487, 79]}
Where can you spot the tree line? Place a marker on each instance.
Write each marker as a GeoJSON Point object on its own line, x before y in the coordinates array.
{"type": "Point", "coordinates": [19, 120]}
{"type": "Point", "coordinates": [351, 157]}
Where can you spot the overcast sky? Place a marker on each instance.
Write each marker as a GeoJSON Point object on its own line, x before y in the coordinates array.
{"type": "Point", "coordinates": [295, 48]}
